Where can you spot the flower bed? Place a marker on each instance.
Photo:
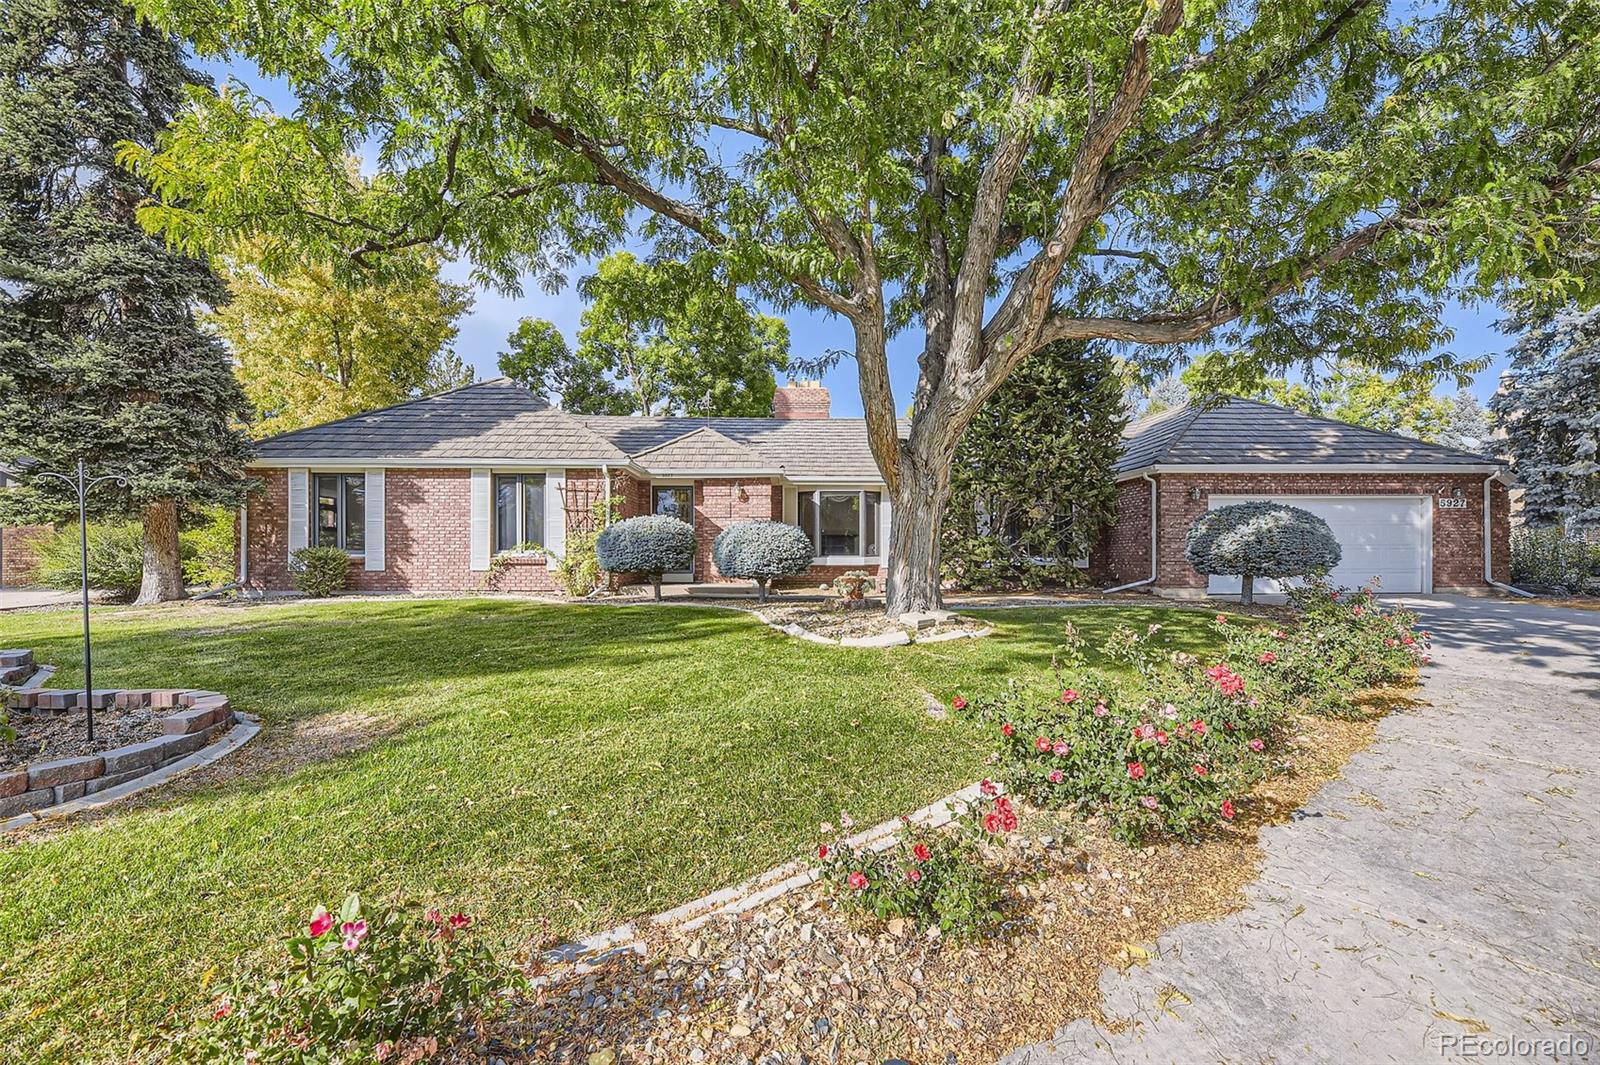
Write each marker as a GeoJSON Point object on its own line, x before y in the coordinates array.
{"type": "Point", "coordinates": [139, 732]}
{"type": "Point", "coordinates": [863, 623]}
{"type": "Point", "coordinates": [1172, 751]}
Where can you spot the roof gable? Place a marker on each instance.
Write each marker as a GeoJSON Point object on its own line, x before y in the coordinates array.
{"type": "Point", "coordinates": [699, 450]}
{"type": "Point", "coordinates": [1247, 432]}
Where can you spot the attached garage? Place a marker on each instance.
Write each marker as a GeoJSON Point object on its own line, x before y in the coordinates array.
{"type": "Point", "coordinates": [1387, 537]}
{"type": "Point", "coordinates": [1420, 517]}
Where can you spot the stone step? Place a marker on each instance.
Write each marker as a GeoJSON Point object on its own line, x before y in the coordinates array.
{"type": "Point", "coordinates": [9, 659]}
{"type": "Point", "coordinates": [14, 675]}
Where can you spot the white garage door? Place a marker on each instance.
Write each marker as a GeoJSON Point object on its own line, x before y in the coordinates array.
{"type": "Point", "coordinates": [1381, 536]}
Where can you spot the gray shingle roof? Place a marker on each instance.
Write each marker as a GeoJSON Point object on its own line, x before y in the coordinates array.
{"type": "Point", "coordinates": [805, 448]}
{"type": "Point", "coordinates": [1246, 432]}
{"type": "Point", "coordinates": [702, 449]}
{"type": "Point", "coordinates": [489, 420]}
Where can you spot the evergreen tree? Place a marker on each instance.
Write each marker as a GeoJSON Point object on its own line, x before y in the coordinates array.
{"type": "Point", "coordinates": [1549, 407]}
{"type": "Point", "coordinates": [1031, 485]}
{"type": "Point", "coordinates": [1467, 424]}
{"type": "Point", "coordinates": [100, 355]}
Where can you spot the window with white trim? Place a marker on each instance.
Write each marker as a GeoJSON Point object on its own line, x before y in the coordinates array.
{"type": "Point", "coordinates": [518, 511]}
{"type": "Point", "coordinates": [841, 522]}
{"type": "Point", "coordinates": [339, 511]}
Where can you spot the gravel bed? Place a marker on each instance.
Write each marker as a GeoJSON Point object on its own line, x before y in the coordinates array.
{"type": "Point", "coordinates": [45, 735]}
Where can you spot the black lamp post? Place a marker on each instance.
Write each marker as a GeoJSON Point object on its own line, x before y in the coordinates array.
{"type": "Point", "coordinates": [82, 484]}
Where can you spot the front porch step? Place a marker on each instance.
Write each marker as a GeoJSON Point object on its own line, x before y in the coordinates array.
{"type": "Point", "coordinates": [720, 591]}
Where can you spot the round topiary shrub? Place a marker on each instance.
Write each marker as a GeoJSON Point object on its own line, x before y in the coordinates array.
{"type": "Point", "coordinates": [1261, 540]}
{"type": "Point", "coordinates": [762, 550]}
{"type": "Point", "coordinates": [648, 546]}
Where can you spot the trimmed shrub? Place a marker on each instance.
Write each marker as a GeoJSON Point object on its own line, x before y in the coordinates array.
{"type": "Point", "coordinates": [116, 558]}
{"type": "Point", "coordinates": [648, 546]}
{"type": "Point", "coordinates": [1261, 540]}
{"type": "Point", "coordinates": [762, 550]}
{"type": "Point", "coordinates": [319, 571]}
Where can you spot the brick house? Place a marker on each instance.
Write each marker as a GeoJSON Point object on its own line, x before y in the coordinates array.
{"type": "Point", "coordinates": [1421, 517]}
{"type": "Point", "coordinates": [452, 492]}
{"type": "Point", "coordinates": [17, 546]}
{"type": "Point", "coordinates": [425, 495]}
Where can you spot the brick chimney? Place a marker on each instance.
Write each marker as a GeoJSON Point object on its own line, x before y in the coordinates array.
{"type": "Point", "coordinates": [800, 399]}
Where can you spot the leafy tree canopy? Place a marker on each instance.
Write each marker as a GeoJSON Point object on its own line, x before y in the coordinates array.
{"type": "Point", "coordinates": [657, 338]}
{"type": "Point", "coordinates": [312, 347]}
{"type": "Point", "coordinates": [1549, 408]}
{"type": "Point", "coordinates": [1032, 486]}
{"type": "Point", "coordinates": [1309, 176]}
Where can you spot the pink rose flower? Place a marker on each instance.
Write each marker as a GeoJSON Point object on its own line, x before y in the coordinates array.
{"type": "Point", "coordinates": [1257, 746]}
{"type": "Point", "coordinates": [1056, 776]}
{"type": "Point", "coordinates": [1150, 802]}
{"type": "Point", "coordinates": [857, 880]}
{"type": "Point", "coordinates": [1100, 710]}
{"type": "Point", "coordinates": [321, 921]}
{"type": "Point", "coordinates": [958, 703]}
{"type": "Point", "coordinates": [1061, 748]}
{"type": "Point", "coordinates": [1070, 695]}
{"type": "Point", "coordinates": [1136, 770]}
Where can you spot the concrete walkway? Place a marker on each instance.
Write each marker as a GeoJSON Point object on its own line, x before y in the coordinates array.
{"type": "Point", "coordinates": [18, 598]}
{"type": "Point", "coordinates": [1441, 902]}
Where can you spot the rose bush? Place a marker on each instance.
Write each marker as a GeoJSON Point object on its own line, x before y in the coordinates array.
{"type": "Point", "coordinates": [390, 985]}
{"type": "Point", "coordinates": [1340, 645]}
{"type": "Point", "coordinates": [1167, 753]}
{"type": "Point", "coordinates": [933, 878]}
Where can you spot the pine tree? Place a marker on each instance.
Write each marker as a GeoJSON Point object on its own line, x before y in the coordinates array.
{"type": "Point", "coordinates": [1467, 424]}
{"type": "Point", "coordinates": [1549, 407]}
{"type": "Point", "coordinates": [100, 356]}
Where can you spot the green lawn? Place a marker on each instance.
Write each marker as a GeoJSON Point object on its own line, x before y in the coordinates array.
{"type": "Point", "coordinates": [576, 765]}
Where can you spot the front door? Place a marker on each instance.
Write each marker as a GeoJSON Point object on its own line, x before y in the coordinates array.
{"type": "Point", "coordinates": [674, 501]}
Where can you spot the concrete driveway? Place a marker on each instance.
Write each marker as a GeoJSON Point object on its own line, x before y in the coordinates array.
{"type": "Point", "coordinates": [1441, 902]}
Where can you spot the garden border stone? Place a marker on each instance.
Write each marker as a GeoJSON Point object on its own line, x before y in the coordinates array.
{"type": "Point", "coordinates": [898, 638]}
{"type": "Point", "coordinates": [757, 891]}
{"type": "Point", "coordinates": [202, 728]}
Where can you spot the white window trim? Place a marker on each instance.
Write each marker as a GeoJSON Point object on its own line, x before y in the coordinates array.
{"type": "Point", "coordinates": [791, 515]}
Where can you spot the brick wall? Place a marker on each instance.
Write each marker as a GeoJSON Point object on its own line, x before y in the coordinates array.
{"type": "Point", "coordinates": [1123, 553]}
{"type": "Point", "coordinates": [721, 502]}
{"type": "Point", "coordinates": [16, 554]}
{"type": "Point", "coordinates": [427, 520]}
{"type": "Point", "coordinates": [1457, 534]}
{"type": "Point", "coordinates": [805, 399]}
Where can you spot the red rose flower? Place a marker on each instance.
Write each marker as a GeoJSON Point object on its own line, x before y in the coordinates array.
{"type": "Point", "coordinates": [991, 823]}
{"type": "Point", "coordinates": [986, 786]}
{"type": "Point", "coordinates": [858, 880]}
{"type": "Point", "coordinates": [1136, 770]}
{"type": "Point", "coordinates": [822, 851]}
{"type": "Point", "coordinates": [221, 1012]}
{"type": "Point", "coordinates": [459, 920]}
{"type": "Point", "coordinates": [958, 703]}
{"type": "Point", "coordinates": [321, 922]}
{"type": "Point", "coordinates": [1227, 809]}
{"type": "Point", "coordinates": [1267, 658]}
{"type": "Point", "coordinates": [1200, 770]}
{"type": "Point", "coordinates": [921, 852]}
{"type": "Point", "coordinates": [1042, 743]}
{"type": "Point", "coordinates": [1161, 739]}
{"type": "Point", "coordinates": [1008, 729]}
{"type": "Point", "coordinates": [1199, 726]}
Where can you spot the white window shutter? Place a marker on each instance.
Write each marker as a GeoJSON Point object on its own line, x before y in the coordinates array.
{"type": "Point", "coordinates": [482, 518]}
{"type": "Point", "coordinates": [299, 509]}
{"type": "Point", "coordinates": [374, 518]}
{"type": "Point", "coordinates": [555, 513]}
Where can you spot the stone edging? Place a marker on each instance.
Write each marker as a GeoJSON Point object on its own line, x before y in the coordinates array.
{"type": "Point", "coordinates": [898, 638]}
{"type": "Point", "coordinates": [757, 891]}
{"type": "Point", "coordinates": [201, 729]}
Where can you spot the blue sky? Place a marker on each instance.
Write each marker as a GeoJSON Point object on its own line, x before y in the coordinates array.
{"type": "Point", "coordinates": [493, 316]}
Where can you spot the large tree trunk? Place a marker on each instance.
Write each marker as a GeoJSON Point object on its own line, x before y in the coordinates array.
{"type": "Point", "coordinates": [163, 567]}
{"type": "Point", "coordinates": [917, 515]}
{"type": "Point", "coordinates": [1247, 589]}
